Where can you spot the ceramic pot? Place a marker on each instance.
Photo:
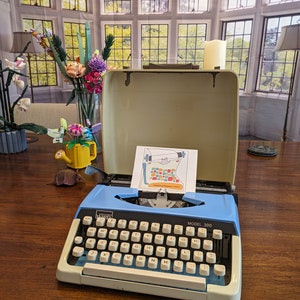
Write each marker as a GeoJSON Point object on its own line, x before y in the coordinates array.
{"type": "Point", "coordinates": [13, 141]}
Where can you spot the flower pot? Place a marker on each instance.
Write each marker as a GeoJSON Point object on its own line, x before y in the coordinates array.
{"type": "Point", "coordinates": [13, 141]}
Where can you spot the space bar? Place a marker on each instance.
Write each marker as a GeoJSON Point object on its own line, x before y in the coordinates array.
{"type": "Point", "coordinates": [145, 276]}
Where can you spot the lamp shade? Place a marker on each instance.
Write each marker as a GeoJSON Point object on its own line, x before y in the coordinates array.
{"type": "Point", "coordinates": [21, 39]}
{"type": "Point", "coordinates": [289, 38]}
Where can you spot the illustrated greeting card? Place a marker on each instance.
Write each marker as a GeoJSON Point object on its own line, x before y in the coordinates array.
{"type": "Point", "coordinates": [173, 170]}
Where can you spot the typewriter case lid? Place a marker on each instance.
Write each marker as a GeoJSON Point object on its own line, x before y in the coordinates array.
{"type": "Point", "coordinates": [187, 109]}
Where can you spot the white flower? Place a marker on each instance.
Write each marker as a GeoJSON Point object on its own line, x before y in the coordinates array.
{"type": "Point", "coordinates": [19, 64]}
{"type": "Point", "coordinates": [23, 104]}
{"type": "Point", "coordinates": [18, 82]}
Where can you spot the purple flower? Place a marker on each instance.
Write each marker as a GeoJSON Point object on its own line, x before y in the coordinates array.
{"type": "Point", "coordinates": [97, 63]}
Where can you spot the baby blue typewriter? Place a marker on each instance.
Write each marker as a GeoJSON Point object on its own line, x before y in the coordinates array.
{"type": "Point", "coordinates": [156, 230]}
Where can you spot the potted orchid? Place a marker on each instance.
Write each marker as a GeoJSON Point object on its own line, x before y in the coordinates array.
{"type": "Point", "coordinates": [85, 74]}
{"type": "Point", "coordinates": [12, 135]}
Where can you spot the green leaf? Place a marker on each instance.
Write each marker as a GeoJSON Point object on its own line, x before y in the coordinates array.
{"type": "Point", "coordinates": [88, 44]}
{"type": "Point", "coordinates": [83, 143]}
{"type": "Point", "coordinates": [109, 41]}
{"type": "Point", "coordinates": [71, 144]}
{"type": "Point", "coordinates": [57, 58]}
{"type": "Point", "coordinates": [57, 45]}
{"type": "Point", "coordinates": [81, 50]}
{"type": "Point", "coordinates": [38, 129]}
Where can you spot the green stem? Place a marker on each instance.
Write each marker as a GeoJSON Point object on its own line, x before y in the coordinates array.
{"type": "Point", "coordinates": [83, 110]}
{"type": "Point", "coordinates": [12, 108]}
{"type": "Point", "coordinates": [91, 107]}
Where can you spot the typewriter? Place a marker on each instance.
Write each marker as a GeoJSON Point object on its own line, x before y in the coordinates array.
{"type": "Point", "coordinates": [169, 244]}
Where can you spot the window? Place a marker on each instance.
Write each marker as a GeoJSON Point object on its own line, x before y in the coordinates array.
{"type": "Point", "coordinates": [154, 43]}
{"type": "Point", "coordinates": [192, 6]}
{"type": "Point", "coordinates": [154, 6]}
{"type": "Point", "coordinates": [190, 43]}
{"type": "Point", "coordinates": [280, 1]}
{"type": "Point", "coordinates": [121, 52]}
{"type": "Point", "coordinates": [42, 66]}
{"type": "Point", "coordinates": [117, 6]}
{"type": "Point", "coordinates": [235, 4]}
{"type": "Point", "coordinates": [45, 3]}
{"type": "Point", "coordinates": [71, 39]}
{"type": "Point", "coordinates": [275, 67]}
{"type": "Point", "coordinates": [163, 31]}
{"type": "Point", "coordinates": [238, 37]}
{"type": "Point", "coordinates": [79, 5]}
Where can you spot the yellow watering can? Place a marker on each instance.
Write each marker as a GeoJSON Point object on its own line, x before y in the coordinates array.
{"type": "Point", "coordinates": [79, 156]}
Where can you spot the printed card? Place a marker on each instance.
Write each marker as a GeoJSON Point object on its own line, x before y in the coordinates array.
{"type": "Point", "coordinates": [168, 169]}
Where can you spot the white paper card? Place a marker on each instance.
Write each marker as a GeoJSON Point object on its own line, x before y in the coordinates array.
{"type": "Point", "coordinates": [169, 169]}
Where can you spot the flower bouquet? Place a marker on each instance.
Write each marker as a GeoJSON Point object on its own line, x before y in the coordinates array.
{"type": "Point", "coordinates": [85, 73]}
{"type": "Point", "coordinates": [12, 135]}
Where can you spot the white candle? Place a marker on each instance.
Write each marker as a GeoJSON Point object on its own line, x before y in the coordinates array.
{"type": "Point", "coordinates": [214, 54]}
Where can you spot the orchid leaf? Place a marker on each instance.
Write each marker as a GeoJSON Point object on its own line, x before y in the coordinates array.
{"type": "Point", "coordinates": [38, 129]}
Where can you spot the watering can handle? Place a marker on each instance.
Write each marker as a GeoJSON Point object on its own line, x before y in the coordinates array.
{"type": "Point", "coordinates": [93, 150]}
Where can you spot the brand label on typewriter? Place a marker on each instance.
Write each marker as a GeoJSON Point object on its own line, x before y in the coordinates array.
{"type": "Point", "coordinates": [104, 214]}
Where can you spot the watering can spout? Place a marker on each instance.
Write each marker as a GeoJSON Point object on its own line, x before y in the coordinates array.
{"type": "Point", "coordinates": [61, 154]}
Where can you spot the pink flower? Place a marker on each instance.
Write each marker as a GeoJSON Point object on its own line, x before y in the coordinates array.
{"type": "Point", "coordinates": [75, 129]}
{"type": "Point", "coordinates": [93, 82]}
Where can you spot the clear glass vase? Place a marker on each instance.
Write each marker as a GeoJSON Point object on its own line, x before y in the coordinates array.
{"type": "Point", "coordinates": [89, 114]}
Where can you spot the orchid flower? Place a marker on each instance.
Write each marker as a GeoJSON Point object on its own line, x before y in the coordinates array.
{"type": "Point", "coordinates": [19, 64]}
{"type": "Point", "coordinates": [18, 82]}
{"type": "Point", "coordinates": [23, 104]}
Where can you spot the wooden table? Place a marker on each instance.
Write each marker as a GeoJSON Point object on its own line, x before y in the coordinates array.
{"type": "Point", "coordinates": [36, 215]}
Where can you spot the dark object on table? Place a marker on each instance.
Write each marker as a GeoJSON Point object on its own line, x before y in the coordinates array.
{"type": "Point", "coordinates": [262, 150]}
{"type": "Point", "coordinates": [68, 177]}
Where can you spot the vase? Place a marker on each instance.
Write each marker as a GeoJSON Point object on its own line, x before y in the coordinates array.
{"type": "Point", "coordinates": [78, 156]}
{"type": "Point", "coordinates": [89, 114]}
{"type": "Point", "coordinates": [13, 141]}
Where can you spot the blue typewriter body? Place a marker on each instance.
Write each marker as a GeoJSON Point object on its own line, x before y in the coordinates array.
{"type": "Point", "coordinates": [209, 210]}
{"type": "Point", "coordinates": [188, 246]}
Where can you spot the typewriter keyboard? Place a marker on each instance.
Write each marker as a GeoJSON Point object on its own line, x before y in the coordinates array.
{"type": "Point", "coordinates": [144, 251]}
